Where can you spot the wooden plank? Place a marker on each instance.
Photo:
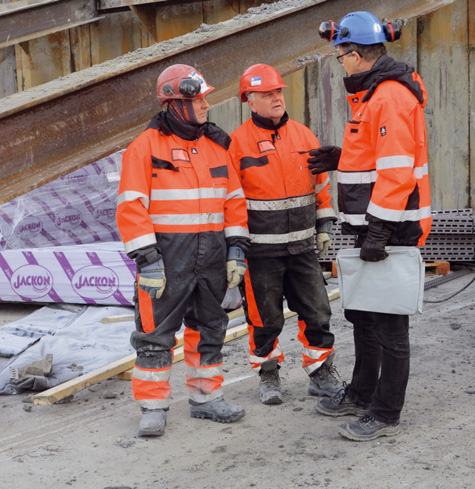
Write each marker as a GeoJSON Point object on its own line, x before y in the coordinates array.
{"type": "Point", "coordinates": [72, 386]}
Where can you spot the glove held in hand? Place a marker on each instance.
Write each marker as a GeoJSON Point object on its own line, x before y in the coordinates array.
{"type": "Point", "coordinates": [152, 279]}
{"type": "Point", "coordinates": [235, 266]}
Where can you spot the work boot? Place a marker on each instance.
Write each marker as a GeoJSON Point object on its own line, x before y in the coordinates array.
{"type": "Point", "coordinates": [340, 405]}
{"type": "Point", "coordinates": [153, 422]}
{"type": "Point", "coordinates": [367, 428]}
{"type": "Point", "coordinates": [218, 410]}
{"type": "Point", "coordinates": [269, 385]}
{"type": "Point", "coordinates": [323, 381]}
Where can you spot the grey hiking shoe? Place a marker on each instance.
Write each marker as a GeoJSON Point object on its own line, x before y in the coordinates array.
{"type": "Point", "coordinates": [153, 422]}
{"type": "Point", "coordinates": [269, 385]}
{"type": "Point", "coordinates": [218, 410]}
{"type": "Point", "coordinates": [367, 428]}
{"type": "Point", "coordinates": [323, 381]}
{"type": "Point", "coordinates": [340, 405]}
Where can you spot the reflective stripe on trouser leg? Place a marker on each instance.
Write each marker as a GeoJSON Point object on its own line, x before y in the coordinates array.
{"type": "Point", "coordinates": [263, 307]}
{"type": "Point", "coordinates": [313, 357]}
{"type": "Point", "coordinates": [203, 381]}
{"type": "Point", "coordinates": [151, 387]}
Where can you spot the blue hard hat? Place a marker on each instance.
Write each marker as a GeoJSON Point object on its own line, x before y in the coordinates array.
{"type": "Point", "coordinates": [360, 28]}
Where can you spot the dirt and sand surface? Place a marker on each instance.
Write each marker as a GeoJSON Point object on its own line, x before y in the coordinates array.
{"type": "Point", "coordinates": [91, 442]}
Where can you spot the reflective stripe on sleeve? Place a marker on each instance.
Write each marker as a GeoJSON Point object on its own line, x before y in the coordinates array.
{"type": "Point", "coordinates": [327, 212]}
{"type": "Point", "coordinates": [354, 219]}
{"type": "Point", "coordinates": [421, 171]}
{"type": "Point", "coordinates": [187, 219]}
{"type": "Point", "coordinates": [237, 194]}
{"type": "Point", "coordinates": [279, 205]}
{"type": "Point", "coordinates": [236, 231]}
{"type": "Point", "coordinates": [282, 238]}
{"type": "Point", "coordinates": [130, 196]}
{"type": "Point", "coordinates": [189, 194]}
{"type": "Point", "coordinates": [357, 177]}
{"type": "Point", "coordinates": [398, 215]}
{"type": "Point", "coordinates": [400, 161]}
{"type": "Point", "coordinates": [140, 242]}
{"type": "Point", "coordinates": [321, 186]}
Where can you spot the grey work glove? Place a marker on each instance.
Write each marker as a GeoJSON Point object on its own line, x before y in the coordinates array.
{"type": "Point", "coordinates": [152, 279]}
{"type": "Point", "coordinates": [324, 159]}
{"type": "Point", "coordinates": [323, 243]}
{"type": "Point", "coordinates": [235, 266]}
{"type": "Point", "coordinates": [373, 245]}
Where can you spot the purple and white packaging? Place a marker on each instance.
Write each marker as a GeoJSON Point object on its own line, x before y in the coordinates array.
{"type": "Point", "coordinates": [99, 273]}
{"type": "Point", "coordinates": [75, 209]}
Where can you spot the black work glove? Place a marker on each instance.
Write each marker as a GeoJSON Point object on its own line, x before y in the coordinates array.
{"type": "Point", "coordinates": [324, 159]}
{"type": "Point", "coordinates": [372, 248]}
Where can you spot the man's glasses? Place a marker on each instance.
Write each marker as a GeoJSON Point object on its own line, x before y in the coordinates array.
{"type": "Point", "coordinates": [340, 58]}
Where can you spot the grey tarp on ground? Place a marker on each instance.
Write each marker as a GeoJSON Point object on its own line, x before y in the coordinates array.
{"type": "Point", "coordinates": [78, 347]}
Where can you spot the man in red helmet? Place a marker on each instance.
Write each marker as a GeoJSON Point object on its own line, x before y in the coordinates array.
{"type": "Point", "coordinates": [384, 199]}
{"type": "Point", "coordinates": [286, 204]}
{"type": "Point", "coordinates": [182, 217]}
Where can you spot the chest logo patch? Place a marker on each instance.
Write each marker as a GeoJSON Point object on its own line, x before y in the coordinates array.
{"type": "Point", "coordinates": [180, 155]}
{"type": "Point", "coordinates": [382, 130]}
{"type": "Point", "coordinates": [265, 146]}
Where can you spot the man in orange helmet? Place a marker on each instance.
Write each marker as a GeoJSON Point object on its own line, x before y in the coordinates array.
{"type": "Point", "coordinates": [286, 204]}
{"type": "Point", "coordinates": [182, 217]}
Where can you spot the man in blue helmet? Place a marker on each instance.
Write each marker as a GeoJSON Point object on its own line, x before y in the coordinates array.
{"type": "Point", "coordinates": [384, 199]}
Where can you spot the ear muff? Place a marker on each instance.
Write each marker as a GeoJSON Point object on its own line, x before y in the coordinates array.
{"type": "Point", "coordinates": [392, 31]}
{"type": "Point", "coordinates": [327, 30]}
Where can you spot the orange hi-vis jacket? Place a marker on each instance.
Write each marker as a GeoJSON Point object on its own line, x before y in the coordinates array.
{"type": "Point", "coordinates": [383, 169]}
{"type": "Point", "coordinates": [171, 185]}
{"type": "Point", "coordinates": [285, 202]}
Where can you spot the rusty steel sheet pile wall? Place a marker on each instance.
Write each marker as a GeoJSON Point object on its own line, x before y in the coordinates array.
{"type": "Point", "coordinates": [58, 127]}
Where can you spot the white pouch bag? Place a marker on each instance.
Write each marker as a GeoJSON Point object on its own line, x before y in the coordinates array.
{"type": "Point", "coordinates": [394, 285]}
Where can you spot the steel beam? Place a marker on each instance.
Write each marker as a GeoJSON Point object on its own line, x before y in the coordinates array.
{"type": "Point", "coordinates": [51, 130]}
{"type": "Point", "coordinates": [28, 19]}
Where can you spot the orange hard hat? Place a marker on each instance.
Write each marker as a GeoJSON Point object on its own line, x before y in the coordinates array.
{"type": "Point", "coordinates": [181, 82]}
{"type": "Point", "coordinates": [259, 78]}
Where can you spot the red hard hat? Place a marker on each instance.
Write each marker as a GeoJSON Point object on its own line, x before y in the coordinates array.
{"type": "Point", "coordinates": [259, 78]}
{"type": "Point", "coordinates": [181, 82]}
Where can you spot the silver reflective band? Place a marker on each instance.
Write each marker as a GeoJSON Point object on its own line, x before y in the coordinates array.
{"type": "Point", "coordinates": [187, 219]}
{"type": "Point", "coordinates": [203, 373]}
{"type": "Point", "coordinates": [355, 177]}
{"type": "Point", "coordinates": [400, 161]}
{"type": "Point", "coordinates": [398, 216]}
{"type": "Point", "coordinates": [140, 242]}
{"type": "Point", "coordinates": [130, 196]}
{"type": "Point", "coordinates": [152, 376]}
{"type": "Point", "coordinates": [237, 194]}
{"type": "Point", "coordinates": [236, 231]}
{"type": "Point", "coordinates": [279, 205]}
{"type": "Point", "coordinates": [321, 186]}
{"type": "Point", "coordinates": [282, 238]}
{"type": "Point", "coordinates": [354, 219]}
{"type": "Point", "coordinates": [421, 171]}
{"type": "Point", "coordinates": [189, 194]}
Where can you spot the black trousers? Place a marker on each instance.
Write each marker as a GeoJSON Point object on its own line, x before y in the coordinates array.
{"type": "Point", "coordinates": [299, 278]}
{"type": "Point", "coordinates": [382, 360]}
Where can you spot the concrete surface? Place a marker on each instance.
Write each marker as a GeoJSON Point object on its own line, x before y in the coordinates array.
{"type": "Point", "coordinates": [91, 442]}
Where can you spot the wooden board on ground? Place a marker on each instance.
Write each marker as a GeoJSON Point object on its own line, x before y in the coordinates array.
{"type": "Point", "coordinates": [127, 363]}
